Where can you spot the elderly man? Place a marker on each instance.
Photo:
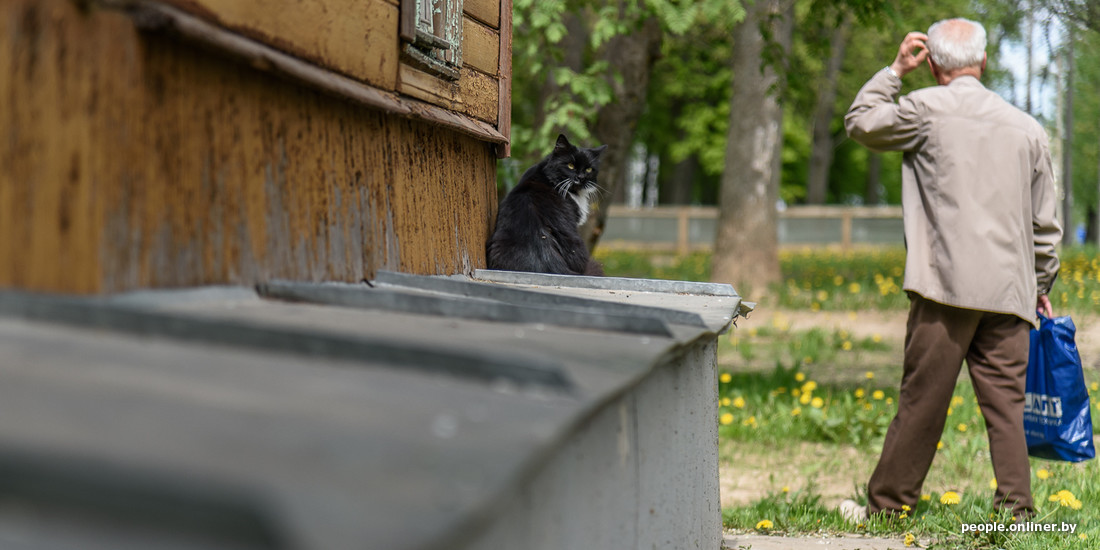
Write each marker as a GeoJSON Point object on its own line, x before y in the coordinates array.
{"type": "Point", "coordinates": [979, 213]}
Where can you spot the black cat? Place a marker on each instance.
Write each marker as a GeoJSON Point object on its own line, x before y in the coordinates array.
{"type": "Point", "coordinates": [537, 222]}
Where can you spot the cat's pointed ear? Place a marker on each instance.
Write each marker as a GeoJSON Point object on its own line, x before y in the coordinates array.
{"type": "Point", "coordinates": [562, 143]}
{"type": "Point", "coordinates": [596, 153]}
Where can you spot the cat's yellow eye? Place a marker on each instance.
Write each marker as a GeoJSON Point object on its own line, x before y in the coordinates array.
{"type": "Point", "coordinates": [570, 166]}
{"type": "Point", "coordinates": [587, 170]}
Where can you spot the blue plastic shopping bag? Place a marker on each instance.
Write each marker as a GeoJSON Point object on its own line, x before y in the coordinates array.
{"type": "Point", "coordinates": [1056, 407]}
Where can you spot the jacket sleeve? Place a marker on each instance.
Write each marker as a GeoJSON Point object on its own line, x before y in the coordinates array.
{"type": "Point", "coordinates": [1044, 219]}
{"type": "Point", "coordinates": [877, 122]}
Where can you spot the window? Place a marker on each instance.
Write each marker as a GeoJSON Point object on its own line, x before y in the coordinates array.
{"type": "Point", "coordinates": [432, 32]}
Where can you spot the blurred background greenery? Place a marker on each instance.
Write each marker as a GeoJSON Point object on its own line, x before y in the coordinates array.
{"type": "Point", "coordinates": [682, 91]}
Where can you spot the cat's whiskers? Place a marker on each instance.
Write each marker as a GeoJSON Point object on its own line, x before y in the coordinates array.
{"type": "Point", "coordinates": [562, 187]}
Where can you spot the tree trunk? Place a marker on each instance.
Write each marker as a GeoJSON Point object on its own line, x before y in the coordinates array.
{"type": "Point", "coordinates": [1069, 236]}
{"type": "Point", "coordinates": [678, 182]}
{"type": "Point", "coordinates": [872, 194]}
{"type": "Point", "coordinates": [1029, 46]}
{"type": "Point", "coordinates": [746, 249]}
{"type": "Point", "coordinates": [824, 142]}
{"type": "Point", "coordinates": [633, 55]}
{"type": "Point", "coordinates": [1094, 226]}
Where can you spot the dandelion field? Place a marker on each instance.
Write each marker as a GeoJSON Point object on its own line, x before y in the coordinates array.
{"type": "Point", "coordinates": [865, 279]}
{"type": "Point", "coordinates": [783, 387]}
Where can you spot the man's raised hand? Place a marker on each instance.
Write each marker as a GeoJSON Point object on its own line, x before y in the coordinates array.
{"type": "Point", "coordinates": [911, 53]}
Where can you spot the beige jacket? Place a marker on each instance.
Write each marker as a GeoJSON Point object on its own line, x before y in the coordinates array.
{"type": "Point", "coordinates": [977, 192]}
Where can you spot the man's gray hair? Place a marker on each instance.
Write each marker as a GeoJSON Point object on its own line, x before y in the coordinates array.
{"type": "Point", "coordinates": [956, 43]}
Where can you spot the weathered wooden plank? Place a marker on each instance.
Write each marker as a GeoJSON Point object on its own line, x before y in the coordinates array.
{"type": "Point", "coordinates": [160, 18]}
{"type": "Point", "coordinates": [355, 37]}
{"type": "Point", "coordinates": [504, 101]}
{"type": "Point", "coordinates": [486, 11]}
{"type": "Point", "coordinates": [135, 160]}
{"type": "Point", "coordinates": [480, 47]}
{"type": "Point", "coordinates": [475, 94]}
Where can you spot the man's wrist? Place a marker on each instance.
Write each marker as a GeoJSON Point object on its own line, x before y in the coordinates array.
{"type": "Point", "coordinates": [890, 70]}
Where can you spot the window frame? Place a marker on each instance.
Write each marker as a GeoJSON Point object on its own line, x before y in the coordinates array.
{"type": "Point", "coordinates": [431, 32]}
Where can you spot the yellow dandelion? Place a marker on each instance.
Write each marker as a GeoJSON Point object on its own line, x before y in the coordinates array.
{"type": "Point", "coordinates": [807, 360]}
{"type": "Point", "coordinates": [1044, 474]}
{"type": "Point", "coordinates": [838, 280]}
{"type": "Point", "coordinates": [869, 375]}
{"type": "Point", "coordinates": [796, 411]}
{"type": "Point", "coordinates": [739, 402]}
{"type": "Point", "coordinates": [961, 427]}
{"type": "Point", "coordinates": [750, 422]}
{"type": "Point", "coordinates": [949, 498]}
{"type": "Point", "coordinates": [1083, 536]}
{"type": "Point", "coordinates": [796, 392]}
{"type": "Point", "coordinates": [878, 395]}
{"type": "Point", "coordinates": [843, 334]}
{"type": "Point", "coordinates": [889, 400]}
{"type": "Point", "coordinates": [846, 346]}
{"type": "Point", "coordinates": [815, 307]}
{"type": "Point", "coordinates": [822, 296]}
{"type": "Point", "coordinates": [949, 411]}
{"type": "Point", "coordinates": [854, 288]}
{"type": "Point", "coordinates": [939, 445]}
{"type": "Point", "coordinates": [726, 419]}
{"type": "Point", "coordinates": [1066, 498]}
{"type": "Point", "coordinates": [809, 386]}
{"type": "Point", "coordinates": [905, 508]}
{"type": "Point", "coordinates": [1095, 386]}
{"type": "Point", "coordinates": [725, 378]}
{"type": "Point", "coordinates": [926, 497]}
{"type": "Point", "coordinates": [859, 393]}
{"type": "Point", "coordinates": [993, 484]}
{"type": "Point", "coordinates": [957, 400]}
{"type": "Point", "coordinates": [909, 539]}
{"type": "Point", "coordinates": [876, 337]}
{"type": "Point", "coordinates": [786, 489]}
{"type": "Point", "coordinates": [764, 525]}
{"type": "Point", "coordinates": [903, 515]}
{"type": "Point", "coordinates": [867, 406]}
{"type": "Point", "coordinates": [817, 402]}
{"type": "Point", "coordinates": [781, 389]}
{"type": "Point", "coordinates": [805, 399]}
{"type": "Point", "coordinates": [798, 377]}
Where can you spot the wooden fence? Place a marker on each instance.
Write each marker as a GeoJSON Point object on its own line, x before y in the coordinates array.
{"type": "Point", "coordinates": [840, 226]}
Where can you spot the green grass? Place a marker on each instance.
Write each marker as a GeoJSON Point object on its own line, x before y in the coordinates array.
{"type": "Point", "coordinates": [785, 406]}
{"type": "Point", "coordinates": [782, 389]}
{"type": "Point", "coordinates": [830, 280]}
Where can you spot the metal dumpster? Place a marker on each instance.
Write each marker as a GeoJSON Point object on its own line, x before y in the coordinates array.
{"type": "Point", "coordinates": [502, 410]}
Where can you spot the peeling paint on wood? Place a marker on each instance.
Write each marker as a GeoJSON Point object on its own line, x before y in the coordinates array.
{"type": "Point", "coordinates": [331, 33]}
{"type": "Point", "coordinates": [131, 160]}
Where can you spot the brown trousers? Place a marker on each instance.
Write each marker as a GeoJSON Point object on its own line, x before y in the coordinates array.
{"type": "Point", "coordinates": [938, 338]}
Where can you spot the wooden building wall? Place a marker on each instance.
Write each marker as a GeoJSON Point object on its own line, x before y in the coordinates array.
{"type": "Point", "coordinates": [132, 159]}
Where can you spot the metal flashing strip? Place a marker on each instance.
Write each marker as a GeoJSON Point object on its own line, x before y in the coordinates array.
{"type": "Point", "coordinates": [527, 297]}
{"type": "Point", "coordinates": [605, 283]}
{"type": "Point", "coordinates": [100, 313]}
{"type": "Point", "coordinates": [591, 316]}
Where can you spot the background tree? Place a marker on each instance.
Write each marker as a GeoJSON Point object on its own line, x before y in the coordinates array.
{"type": "Point", "coordinates": [746, 249]}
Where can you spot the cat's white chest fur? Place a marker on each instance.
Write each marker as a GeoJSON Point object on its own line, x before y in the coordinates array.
{"type": "Point", "coordinates": [582, 199]}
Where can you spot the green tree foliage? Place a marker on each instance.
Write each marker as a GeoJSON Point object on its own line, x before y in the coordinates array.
{"type": "Point", "coordinates": [560, 83]}
{"type": "Point", "coordinates": [1086, 153]}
